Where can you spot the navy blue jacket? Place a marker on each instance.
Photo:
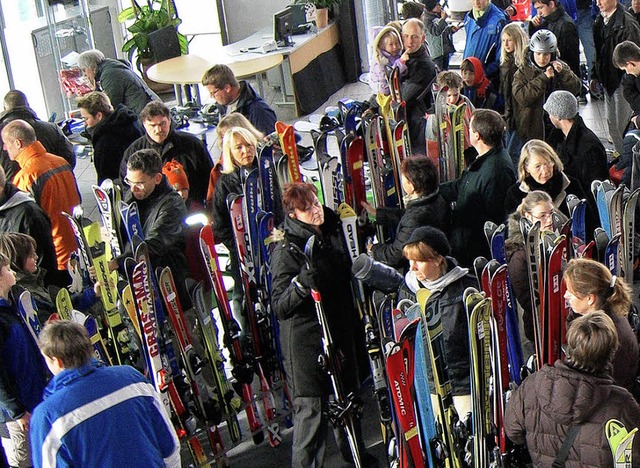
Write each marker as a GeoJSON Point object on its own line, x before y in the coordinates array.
{"type": "Point", "coordinates": [254, 108]}
{"type": "Point", "coordinates": [23, 373]}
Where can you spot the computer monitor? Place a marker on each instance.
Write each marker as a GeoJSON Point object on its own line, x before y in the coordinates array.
{"type": "Point", "coordinates": [283, 27]}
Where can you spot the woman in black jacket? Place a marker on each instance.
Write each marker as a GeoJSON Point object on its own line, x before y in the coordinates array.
{"type": "Point", "coordinates": [432, 267]}
{"type": "Point", "coordinates": [424, 207]}
{"type": "Point", "coordinates": [300, 332]}
{"type": "Point", "coordinates": [540, 168]}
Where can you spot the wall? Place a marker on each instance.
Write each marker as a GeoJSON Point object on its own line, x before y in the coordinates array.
{"type": "Point", "coordinates": [243, 20]}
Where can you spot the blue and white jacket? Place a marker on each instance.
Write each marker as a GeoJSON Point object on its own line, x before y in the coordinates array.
{"type": "Point", "coordinates": [102, 416]}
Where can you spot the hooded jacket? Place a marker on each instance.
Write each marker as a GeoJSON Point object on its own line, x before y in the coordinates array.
{"type": "Point", "coordinates": [454, 320]}
{"type": "Point", "coordinates": [110, 138]}
{"type": "Point", "coordinates": [541, 410]}
{"type": "Point", "coordinates": [123, 86]}
{"type": "Point", "coordinates": [531, 88]}
{"type": "Point", "coordinates": [53, 185]}
{"type": "Point", "coordinates": [20, 213]}
{"type": "Point", "coordinates": [438, 35]}
{"type": "Point", "coordinates": [300, 333]}
{"type": "Point", "coordinates": [185, 148]}
{"type": "Point", "coordinates": [383, 60]}
{"type": "Point", "coordinates": [254, 108]}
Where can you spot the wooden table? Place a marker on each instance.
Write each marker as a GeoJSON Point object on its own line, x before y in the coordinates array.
{"type": "Point", "coordinates": [189, 69]}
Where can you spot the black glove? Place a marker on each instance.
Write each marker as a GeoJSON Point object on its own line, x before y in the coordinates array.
{"type": "Point", "coordinates": [308, 277]}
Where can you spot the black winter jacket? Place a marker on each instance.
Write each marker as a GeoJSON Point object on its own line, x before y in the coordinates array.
{"type": "Point", "coordinates": [162, 216]}
{"type": "Point", "coordinates": [454, 327]}
{"type": "Point", "coordinates": [541, 410]}
{"type": "Point", "coordinates": [123, 86]}
{"type": "Point", "coordinates": [621, 27]}
{"type": "Point", "coordinates": [300, 333]}
{"type": "Point", "coordinates": [431, 210]}
{"type": "Point", "coordinates": [254, 108]}
{"type": "Point", "coordinates": [20, 213]}
{"type": "Point", "coordinates": [227, 184]}
{"type": "Point", "coordinates": [48, 133]}
{"type": "Point", "coordinates": [185, 148]}
{"type": "Point", "coordinates": [631, 91]}
{"type": "Point", "coordinates": [416, 92]}
{"type": "Point", "coordinates": [110, 138]}
{"type": "Point", "coordinates": [476, 196]}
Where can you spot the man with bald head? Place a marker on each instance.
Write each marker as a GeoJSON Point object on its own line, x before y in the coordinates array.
{"type": "Point", "coordinates": [48, 178]}
{"type": "Point", "coordinates": [416, 87]}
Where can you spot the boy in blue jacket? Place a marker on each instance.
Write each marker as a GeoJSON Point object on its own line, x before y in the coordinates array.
{"type": "Point", "coordinates": [23, 374]}
{"type": "Point", "coordinates": [94, 415]}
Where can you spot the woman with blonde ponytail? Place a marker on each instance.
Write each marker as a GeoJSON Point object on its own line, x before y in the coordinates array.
{"type": "Point", "coordinates": [591, 287]}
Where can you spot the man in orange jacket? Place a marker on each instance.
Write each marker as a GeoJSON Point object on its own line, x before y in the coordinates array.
{"type": "Point", "coordinates": [50, 180]}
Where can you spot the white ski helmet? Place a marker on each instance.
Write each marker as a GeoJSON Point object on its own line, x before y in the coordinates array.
{"type": "Point", "coordinates": [543, 41]}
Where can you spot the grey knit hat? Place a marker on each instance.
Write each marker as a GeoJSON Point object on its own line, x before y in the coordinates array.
{"type": "Point", "coordinates": [562, 105]}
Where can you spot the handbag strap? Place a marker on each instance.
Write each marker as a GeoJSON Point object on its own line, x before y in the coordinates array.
{"type": "Point", "coordinates": [563, 453]}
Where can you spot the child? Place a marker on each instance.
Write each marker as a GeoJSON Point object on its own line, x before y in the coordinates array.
{"type": "Point", "coordinates": [21, 252]}
{"type": "Point", "coordinates": [388, 50]}
{"type": "Point", "coordinates": [177, 178]}
{"type": "Point", "coordinates": [439, 34]}
{"type": "Point", "coordinates": [23, 374]}
{"type": "Point", "coordinates": [635, 9]}
{"type": "Point", "coordinates": [541, 74]}
{"type": "Point", "coordinates": [512, 56]}
{"type": "Point", "coordinates": [453, 83]}
{"type": "Point", "coordinates": [477, 87]}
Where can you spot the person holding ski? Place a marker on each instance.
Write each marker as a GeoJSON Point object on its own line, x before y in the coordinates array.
{"type": "Point", "coordinates": [423, 206]}
{"type": "Point", "coordinates": [591, 287]}
{"type": "Point", "coordinates": [535, 80]}
{"type": "Point", "coordinates": [540, 168]}
{"type": "Point", "coordinates": [562, 412]}
{"type": "Point", "coordinates": [300, 332]}
{"type": "Point", "coordinates": [513, 54]}
{"type": "Point", "coordinates": [23, 373]}
{"type": "Point", "coordinates": [432, 267]}
{"type": "Point", "coordinates": [536, 206]}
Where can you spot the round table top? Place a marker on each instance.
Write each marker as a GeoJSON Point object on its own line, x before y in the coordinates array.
{"type": "Point", "coordinates": [189, 69]}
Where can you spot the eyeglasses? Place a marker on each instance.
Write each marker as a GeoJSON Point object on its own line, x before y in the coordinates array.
{"type": "Point", "coordinates": [136, 184]}
{"type": "Point", "coordinates": [544, 215]}
{"type": "Point", "coordinates": [214, 92]}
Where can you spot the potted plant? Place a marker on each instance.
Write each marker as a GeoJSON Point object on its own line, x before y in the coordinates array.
{"type": "Point", "coordinates": [150, 17]}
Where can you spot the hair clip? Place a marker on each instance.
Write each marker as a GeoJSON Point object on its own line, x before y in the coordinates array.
{"type": "Point", "coordinates": [613, 281]}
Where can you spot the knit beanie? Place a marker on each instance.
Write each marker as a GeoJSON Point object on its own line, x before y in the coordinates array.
{"type": "Point", "coordinates": [176, 175]}
{"type": "Point", "coordinates": [562, 105]}
{"type": "Point", "coordinates": [433, 237]}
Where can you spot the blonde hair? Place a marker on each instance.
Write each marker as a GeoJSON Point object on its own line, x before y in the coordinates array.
{"type": "Point", "coordinates": [236, 119]}
{"type": "Point", "coordinates": [592, 340]}
{"type": "Point", "coordinates": [520, 42]}
{"type": "Point", "coordinates": [533, 199]}
{"type": "Point", "coordinates": [590, 277]}
{"type": "Point", "coordinates": [422, 252]}
{"type": "Point", "coordinates": [228, 164]}
{"type": "Point", "coordinates": [537, 148]}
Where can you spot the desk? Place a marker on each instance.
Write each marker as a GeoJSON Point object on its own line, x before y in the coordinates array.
{"type": "Point", "coordinates": [188, 69]}
{"type": "Point", "coordinates": [314, 62]}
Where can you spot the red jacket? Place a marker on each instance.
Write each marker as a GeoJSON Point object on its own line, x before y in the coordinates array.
{"type": "Point", "coordinates": [51, 181]}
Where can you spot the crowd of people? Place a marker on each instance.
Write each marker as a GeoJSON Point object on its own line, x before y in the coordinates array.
{"type": "Point", "coordinates": [526, 149]}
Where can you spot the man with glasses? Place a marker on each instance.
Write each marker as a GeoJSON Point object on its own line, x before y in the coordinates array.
{"type": "Point", "coordinates": [162, 215]}
{"type": "Point", "coordinates": [232, 95]}
{"type": "Point", "coordinates": [171, 144]}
